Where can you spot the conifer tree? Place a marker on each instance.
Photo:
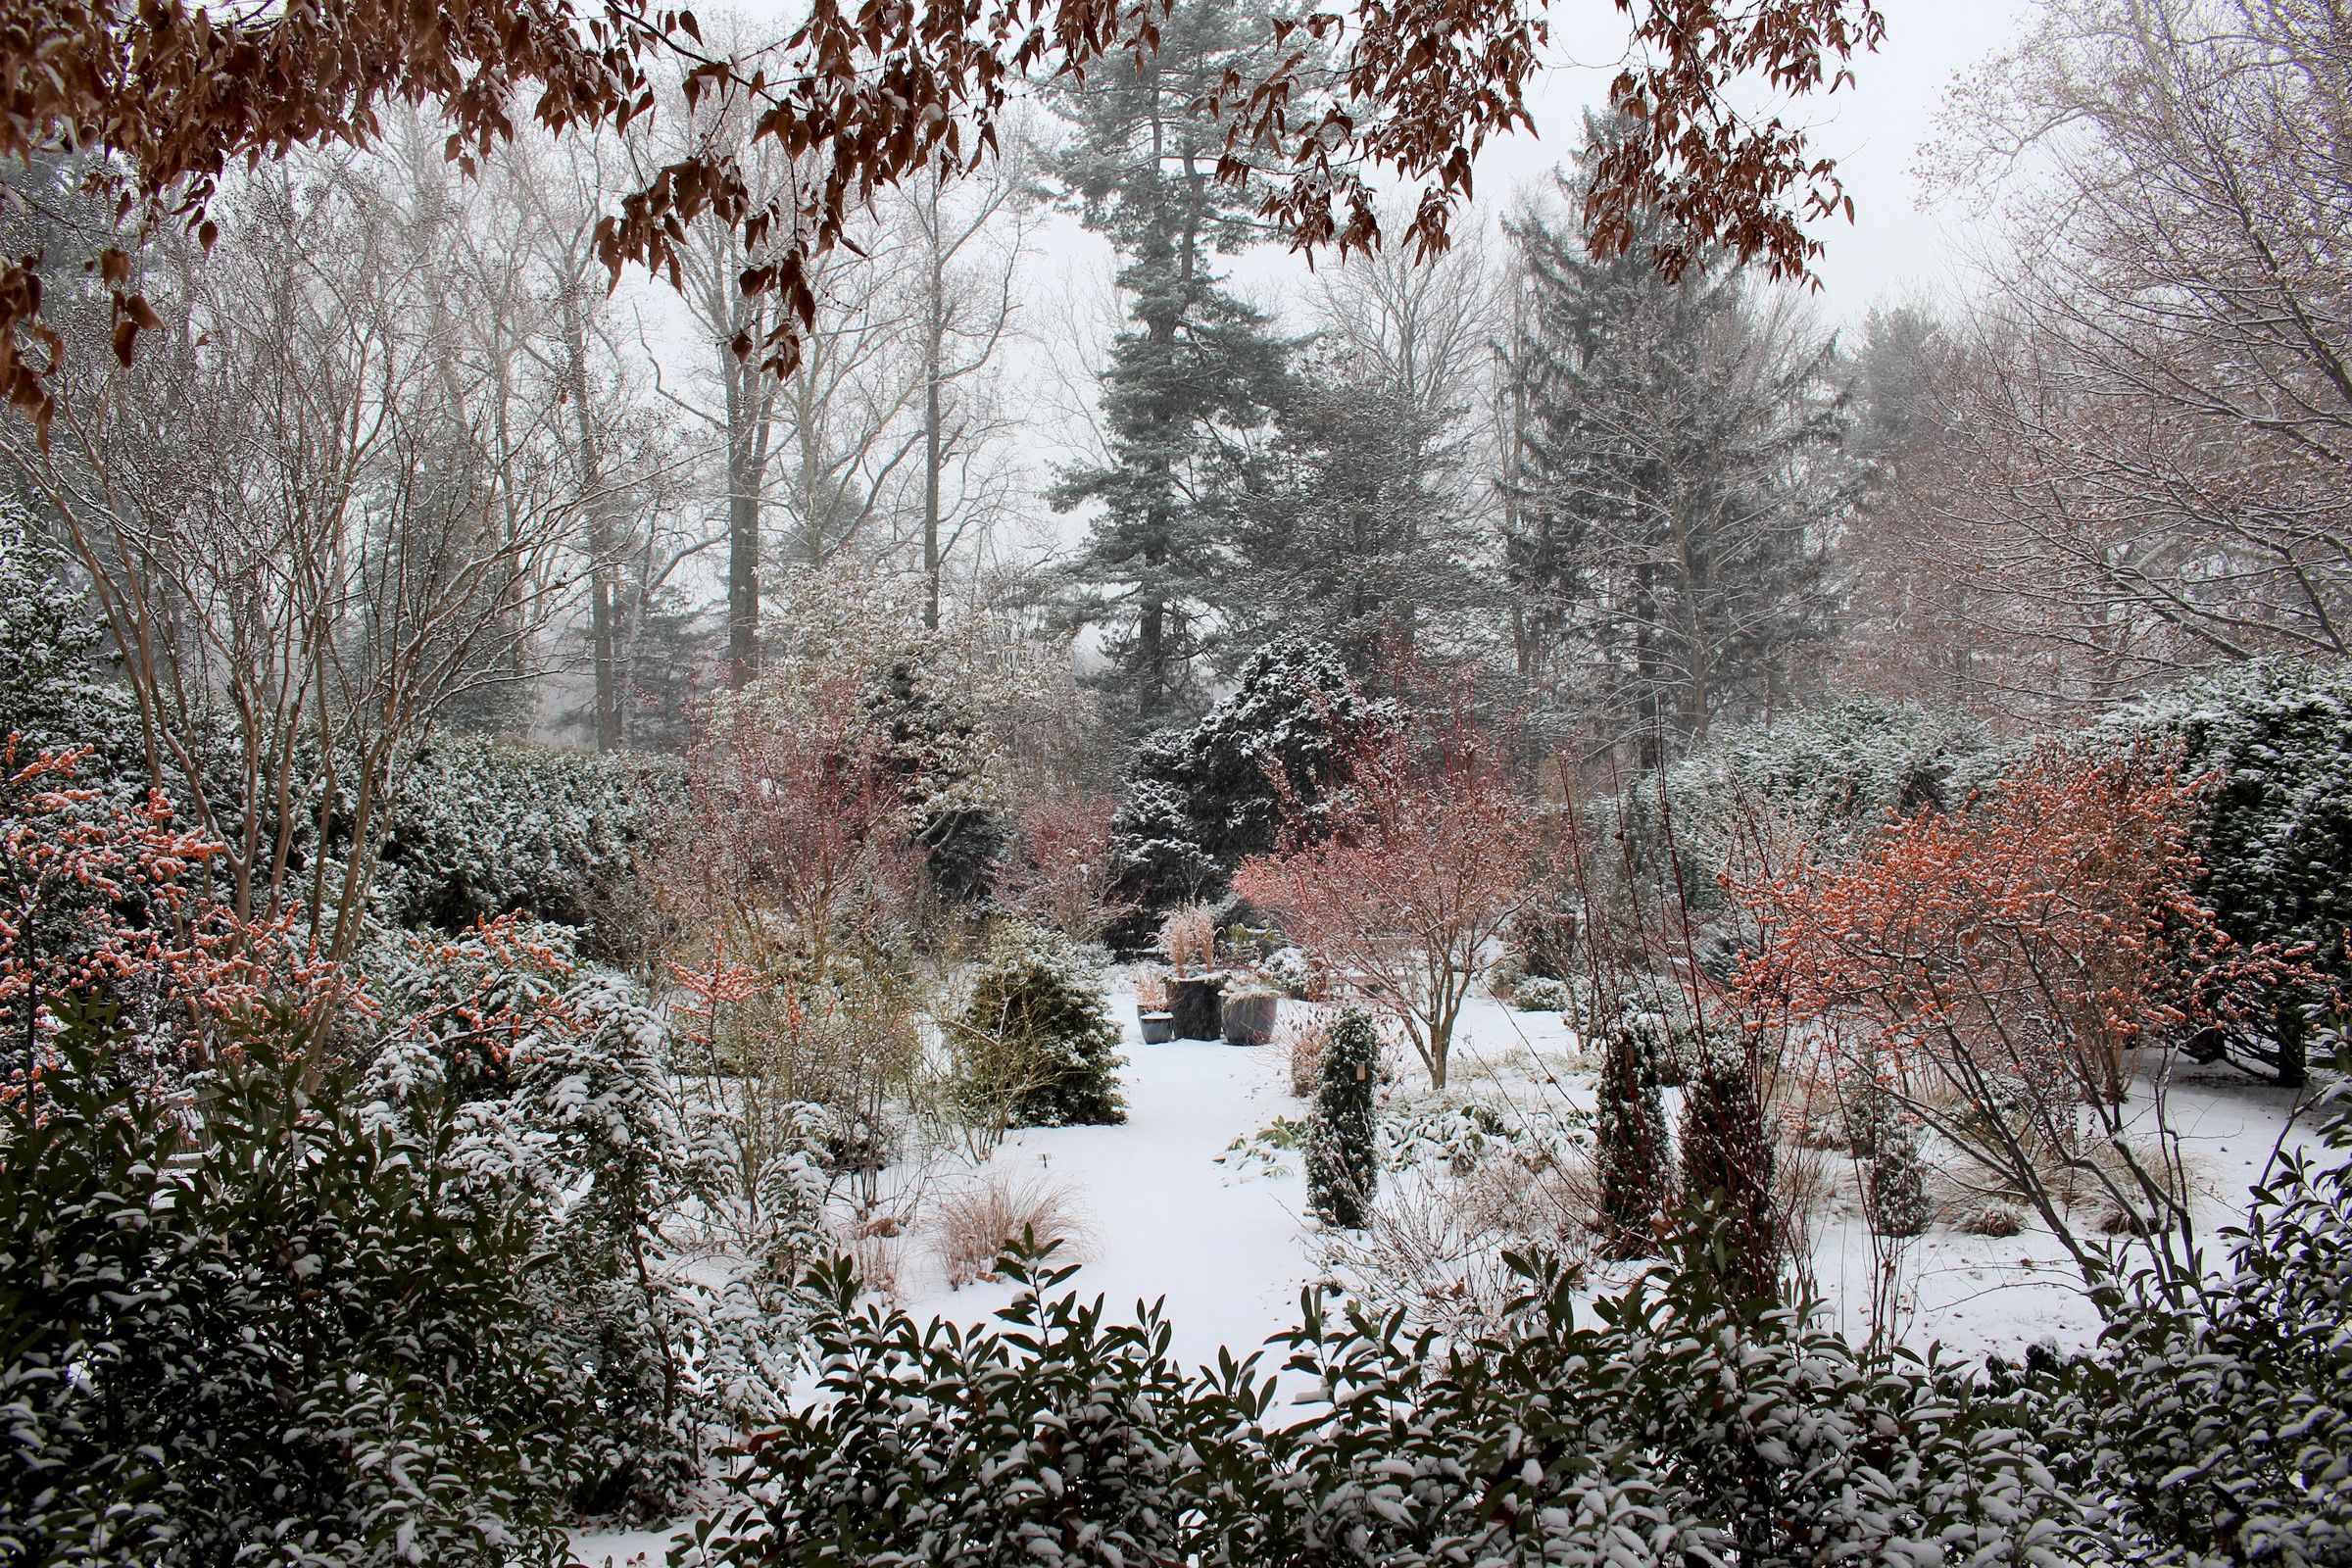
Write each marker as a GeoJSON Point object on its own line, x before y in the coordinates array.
{"type": "Point", "coordinates": [1676, 475]}
{"type": "Point", "coordinates": [1196, 375]}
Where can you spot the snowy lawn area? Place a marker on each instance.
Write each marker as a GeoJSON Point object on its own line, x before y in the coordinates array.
{"type": "Point", "coordinates": [1169, 1210]}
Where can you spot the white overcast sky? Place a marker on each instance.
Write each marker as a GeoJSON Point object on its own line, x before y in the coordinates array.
{"type": "Point", "coordinates": [1892, 250]}
{"type": "Point", "coordinates": [1874, 128]}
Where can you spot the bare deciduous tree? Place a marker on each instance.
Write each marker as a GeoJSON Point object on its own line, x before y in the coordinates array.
{"type": "Point", "coordinates": [2151, 439]}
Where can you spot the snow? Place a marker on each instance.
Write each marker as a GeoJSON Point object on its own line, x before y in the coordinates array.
{"type": "Point", "coordinates": [1225, 1241]}
{"type": "Point", "coordinates": [1161, 1216]}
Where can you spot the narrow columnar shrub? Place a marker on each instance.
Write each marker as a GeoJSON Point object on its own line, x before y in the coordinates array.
{"type": "Point", "coordinates": [1343, 1157]}
{"type": "Point", "coordinates": [1727, 1164]}
{"type": "Point", "coordinates": [1631, 1151]}
{"type": "Point", "coordinates": [1898, 1179]}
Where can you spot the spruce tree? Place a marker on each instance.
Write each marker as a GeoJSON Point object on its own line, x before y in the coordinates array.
{"type": "Point", "coordinates": [1342, 1161]}
{"type": "Point", "coordinates": [1676, 475]}
{"type": "Point", "coordinates": [1196, 375]}
{"type": "Point", "coordinates": [1350, 538]}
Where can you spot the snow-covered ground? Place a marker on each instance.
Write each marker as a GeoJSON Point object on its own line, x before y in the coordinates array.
{"type": "Point", "coordinates": [1170, 1212]}
{"type": "Point", "coordinates": [1160, 1215]}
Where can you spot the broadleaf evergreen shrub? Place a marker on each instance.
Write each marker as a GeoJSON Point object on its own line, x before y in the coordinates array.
{"type": "Point", "coordinates": [297, 1336]}
{"type": "Point", "coordinates": [1671, 1422]}
{"type": "Point", "coordinates": [2217, 1428]}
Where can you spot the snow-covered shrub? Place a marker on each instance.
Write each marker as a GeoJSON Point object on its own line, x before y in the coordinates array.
{"type": "Point", "coordinates": [52, 696]}
{"type": "Point", "coordinates": [1342, 1153]}
{"type": "Point", "coordinates": [1898, 1179]}
{"type": "Point", "coordinates": [1056, 1435]}
{"type": "Point", "coordinates": [1822, 777]}
{"type": "Point", "coordinates": [553, 1075]}
{"type": "Point", "coordinates": [1674, 1423]}
{"type": "Point", "coordinates": [1631, 1151]}
{"type": "Point", "coordinates": [2000, 969]}
{"type": "Point", "coordinates": [1037, 1033]}
{"type": "Point", "coordinates": [1293, 971]}
{"type": "Point", "coordinates": [1728, 1163]}
{"type": "Point", "coordinates": [300, 1335]}
{"type": "Point", "coordinates": [1197, 801]}
{"type": "Point", "coordinates": [1542, 993]}
{"type": "Point", "coordinates": [2217, 1425]}
{"type": "Point", "coordinates": [2274, 827]}
{"type": "Point", "coordinates": [115, 905]}
{"type": "Point", "coordinates": [1542, 938]}
{"type": "Point", "coordinates": [481, 828]}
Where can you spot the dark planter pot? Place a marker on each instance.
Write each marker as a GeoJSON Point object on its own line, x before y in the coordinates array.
{"type": "Point", "coordinates": [1249, 1018]}
{"type": "Point", "coordinates": [1194, 998]}
{"type": "Point", "coordinates": [1158, 1027]}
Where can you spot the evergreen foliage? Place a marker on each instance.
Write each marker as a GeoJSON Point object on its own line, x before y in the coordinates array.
{"type": "Point", "coordinates": [2217, 1428]}
{"type": "Point", "coordinates": [298, 1335]}
{"type": "Point", "coordinates": [1727, 1159]}
{"type": "Point", "coordinates": [51, 695]}
{"type": "Point", "coordinates": [553, 1072]}
{"type": "Point", "coordinates": [1676, 1422]}
{"type": "Point", "coordinates": [1201, 800]}
{"type": "Point", "coordinates": [1898, 1179]}
{"type": "Point", "coordinates": [1196, 375]}
{"type": "Point", "coordinates": [1060, 1435]}
{"type": "Point", "coordinates": [1347, 539]}
{"type": "Point", "coordinates": [2274, 833]}
{"type": "Point", "coordinates": [1630, 1146]}
{"type": "Point", "coordinates": [1038, 999]}
{"type": "Point", "coordinates": [1680, 455]}
{"type": "Point", "coordinates": [1342, 1154]}
{"type": "Point", "coordinates": [483, 828]}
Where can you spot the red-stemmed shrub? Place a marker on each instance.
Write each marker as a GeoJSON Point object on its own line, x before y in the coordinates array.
{"type": "Point", "coordinates": [1401, 885]}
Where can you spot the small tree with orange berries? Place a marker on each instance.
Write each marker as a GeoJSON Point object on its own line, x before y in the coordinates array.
{"type": "Point", "coordinates": [2010, 972]}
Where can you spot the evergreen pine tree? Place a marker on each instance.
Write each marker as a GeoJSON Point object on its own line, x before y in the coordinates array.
{"type": "Point", "coordinates": [1676, 474]}
{"type": "Point", "coordinates": [1192, 380]}
{"type": "Point", "coordinates": [1342, 1162]}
